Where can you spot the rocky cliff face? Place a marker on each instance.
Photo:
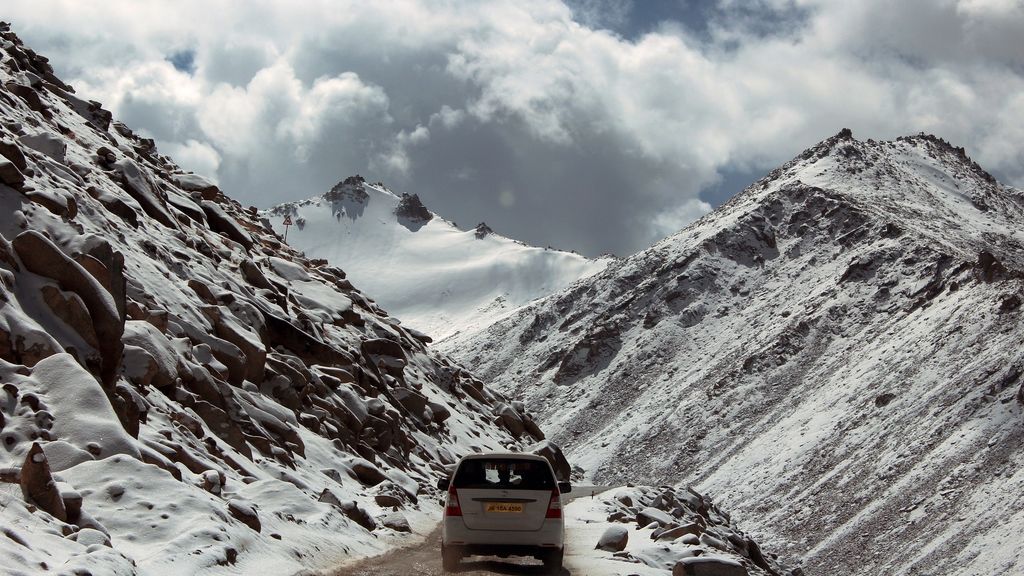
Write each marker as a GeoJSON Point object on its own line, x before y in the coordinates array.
{"type": "Point", "coordinates": [835, 355]}
{"type": "Point", "coordinates": [182, 388]}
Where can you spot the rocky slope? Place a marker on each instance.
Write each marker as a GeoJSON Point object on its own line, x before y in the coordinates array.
{"type": "Point", "coordinates": [182, 392]}
{"type": "Point", "coordinates": [437, 278]}
{"type": "Point", "coordinates": [835, 355]}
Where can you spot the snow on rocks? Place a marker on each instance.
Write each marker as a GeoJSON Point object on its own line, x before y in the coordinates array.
{"type": "Point", "coordinates": [708, 566]}
{"type": "Point", "coordinates": [659, 529]}
{"type": "Point", "coordinates": [614, 539]}
{"type": "Point", "coordinates": [182, 383]}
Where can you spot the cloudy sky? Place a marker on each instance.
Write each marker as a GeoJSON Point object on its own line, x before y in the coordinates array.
{"type": "Point", "coordinates": [594, 125]}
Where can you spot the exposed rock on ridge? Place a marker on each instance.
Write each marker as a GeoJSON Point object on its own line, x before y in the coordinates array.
{"type": "Point", "coordinates": [831, 354]}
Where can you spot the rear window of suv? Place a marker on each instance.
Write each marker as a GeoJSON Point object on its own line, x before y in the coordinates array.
{"type": "Point", "coordinates": [504, 473]}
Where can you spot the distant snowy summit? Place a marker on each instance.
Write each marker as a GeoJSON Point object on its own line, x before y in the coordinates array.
{"type": "Point", "coordinates": [420, 267]}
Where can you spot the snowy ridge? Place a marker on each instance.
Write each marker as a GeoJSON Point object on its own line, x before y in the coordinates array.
{"type": "Point", "coordinates": [182, 392]}
{"type": "Point", "coordinates": [437, 278]}
{"type": "Point", "coordinates": [835, 355]}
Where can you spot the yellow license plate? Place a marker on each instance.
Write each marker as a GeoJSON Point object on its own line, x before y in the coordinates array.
{"type": "Point", "coordinates": [504, 508]}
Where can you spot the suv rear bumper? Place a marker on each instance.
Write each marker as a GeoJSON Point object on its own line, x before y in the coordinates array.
{"type": "Point", "coordinates": [503, 551]}
{"type": "Point", "coordinates": [550, 536]}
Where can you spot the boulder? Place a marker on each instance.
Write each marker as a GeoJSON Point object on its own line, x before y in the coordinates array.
{"type": "Point", "coordinates": [677, 531]}
{"type": "Point", "coordinates": [147, 337]}
{"type": "Point", "coordinates": [532, 428]}
{"type": "Point", "coordinates": [56, 201]}
{"type": "Point", "coordinates": [222, 223]}
{"type": "Point", "coordinates": [196, 183]}
{"type": "Point", "coordinates": [218, 421]}
{"type": "Point", "coordinates": [253, 275]}
{"type": "Point", "coordinates": [439, 411]}
{"type": "Point", "coordinates": [350, 509]}
{"type": "Point", "coordinates": [137, 183]}
{"type": "Point", "coordinates": [988, 267]}
{"type": "Point", "coordinates": [397, 522]}
{"type": "Point", "coordinates": [105, 155]}
{"type": "Point", "coordinates": [366, 472]}
{"type": "Point", "coordinates": [10, 175]}
{"type": "Point", "coordinates": [37, 484]}
{"type": "Point", "coordinates": [649, 516]}
{"type": "Point", "coordinates": [554, 455]}
{"type": "Point", "coordinates": [388, 500]}
{"type": "Point", "coordinates": [281, 332]}
{"type": "Point", "coordinates": [254, 352]}
{"type": "Point", "coordinates": [42, 257]}
{"type": "Point", "coordinates": [245, 512]}
{"type": "Point", "coordinates": [614, 539]}
{"type": "Point", "coordinates": [382, 347]}
{"type": "Point", "coordinates": [412, 400]}
{"type": "Point", "coordinates": [510, 419]}
{"type": "Point", "coordinates": [13, 153]}
{"type": "Point", "coordinates": [29, 95]}
{"type": "Point", "coordinates": [356, 409]}
{"type": "Point", "coordinates": [708, 566]}
{"type": "Point", "coordinates": [69, 307]}
{"type": "Point", "coordinates": [46, 143]}
{"type": "Point", "coordinates": [91, 537]}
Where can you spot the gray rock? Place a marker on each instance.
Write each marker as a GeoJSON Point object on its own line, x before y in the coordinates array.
{"type": "Point", "coordinates": [708, 566]}
{"type": "Point", "coordinates": [137, 183]}
{"type": "Point", "coordinates": [387, 500]}
{"type": "Point", "coordinates": [366, 472]}
{"type": "Point", "coordinates": [196, 183]}
{"type": "Point", "coordinates": [397, 522]}
{"type": "Point", "coordinates": [10, 175]}
{"type": "Point", "coordinates": [649, 516]}
{"type": "Point", "coordinates": [12, 152]}
{"type": "Point", "coordinates": [614, 539]}
{"type": "Point", "coordinates": [46, 143]}
{"type": "Point", "coordinates": [553, 453]}
{"type": "Point", "coordinates": [223, 223]}
{"type": "Point", "coordinates": [677, 531]}
{"type": "Point", "coordinates": [510, 419]}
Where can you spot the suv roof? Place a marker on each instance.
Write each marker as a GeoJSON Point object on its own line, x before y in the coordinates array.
{"type": "Point", "coordinates": [515, 455]}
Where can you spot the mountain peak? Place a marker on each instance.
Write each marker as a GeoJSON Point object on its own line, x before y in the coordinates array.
{"type": "Point", "coordinates": [411, 207]}
{"type": "Point", "coordinates": [482, 230]}
{"type": "Point", "coordinates": [439, 278]}
{"type": "Point", "coordinates": [352, 188]}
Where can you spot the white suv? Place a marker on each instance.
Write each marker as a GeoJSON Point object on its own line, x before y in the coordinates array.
{"type": "Point", "coordinates": [503, 505]}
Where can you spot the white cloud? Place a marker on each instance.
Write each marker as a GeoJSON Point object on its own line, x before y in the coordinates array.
{"type": "Point", "coordinates": [198, 157]}
{"type": "Point", "coordinates": [595, 133]}
{"type": "Point", "coordinates": [673, 219]}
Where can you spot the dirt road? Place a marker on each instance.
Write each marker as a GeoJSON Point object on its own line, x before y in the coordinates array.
{"type": "Point", "coordinates": [425, 558]}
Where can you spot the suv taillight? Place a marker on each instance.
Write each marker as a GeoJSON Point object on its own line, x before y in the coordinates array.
{"type": "Point", "coordinates": [555, 506]}
{"type": "Point", "coordinates": [453, 508]}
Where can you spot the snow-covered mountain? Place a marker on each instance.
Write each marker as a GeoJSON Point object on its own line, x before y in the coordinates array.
{"type": "Point", "coordinates": [422, 268]}
{"type": "Point", "coordinates": [182, 392]}
{"type": "Point", "coordinates": [836, 354]}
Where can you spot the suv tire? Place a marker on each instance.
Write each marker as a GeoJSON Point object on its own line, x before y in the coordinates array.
{"type": "Point", "coordinates": [553, 561]}
{"type": "Point", "coordinates": [450, 557]}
